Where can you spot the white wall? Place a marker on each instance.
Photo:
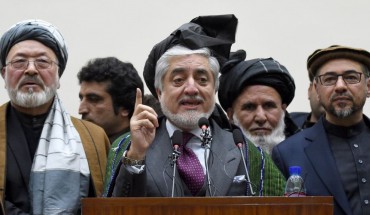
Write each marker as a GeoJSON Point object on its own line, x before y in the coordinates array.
{"type": "Point", "coordinates": [287, 30]}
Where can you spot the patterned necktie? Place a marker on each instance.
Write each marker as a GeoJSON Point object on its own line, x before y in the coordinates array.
{"type": "Point", "coordinates": [189, 167]}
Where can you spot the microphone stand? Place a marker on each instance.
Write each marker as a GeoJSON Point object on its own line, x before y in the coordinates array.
{"type": "Point", "coordinates": [175, 156]}
{"type": "Point", "coordinates": [239, 142]}
{"type": "Point", "coordinates": [246, 170]}
{"type": "Point", "coordinates": [206, 143]}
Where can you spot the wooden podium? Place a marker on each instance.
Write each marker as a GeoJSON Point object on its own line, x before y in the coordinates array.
{"type": "Point", "coordinates": [210, 206]}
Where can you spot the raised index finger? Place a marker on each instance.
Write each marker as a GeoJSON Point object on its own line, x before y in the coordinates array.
{"type": "Point", "coordinates": [139, 97]}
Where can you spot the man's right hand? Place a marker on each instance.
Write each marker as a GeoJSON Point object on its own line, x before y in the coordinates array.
{"type": "Point", "coordinates": [143, 124]}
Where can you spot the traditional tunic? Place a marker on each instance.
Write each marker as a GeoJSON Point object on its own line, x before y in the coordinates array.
{"type": "Point", "coordinates": [351, 147]}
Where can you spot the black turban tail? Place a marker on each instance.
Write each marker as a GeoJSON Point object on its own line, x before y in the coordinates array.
{"type": "Point", "coordinates": [237, 74]}
{"type": "Point", "coordinates": [214, 32]}
{"type": "Point", "coordinates": [40, 31]}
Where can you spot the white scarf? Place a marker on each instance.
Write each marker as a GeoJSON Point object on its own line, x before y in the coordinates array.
{"type": "Point", "coordinates": [60, 173]}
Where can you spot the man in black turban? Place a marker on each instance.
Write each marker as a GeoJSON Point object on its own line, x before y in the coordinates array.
{"type": "Point", "coordinates": [214, 32]}
{"type": "Point", "coordinates": [182, 72]}
{"type": "Point", "coordinates": [255, 94]}
{"type": "Point", "coordinates": [217, 33]}
{"type": "Point", "coordinates": [43, 149]}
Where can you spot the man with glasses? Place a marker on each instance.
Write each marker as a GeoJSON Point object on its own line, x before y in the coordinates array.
{"type": "Point", "coordinates": [48, 159]}
{"type": "Point", "coordinates": [334, 153]}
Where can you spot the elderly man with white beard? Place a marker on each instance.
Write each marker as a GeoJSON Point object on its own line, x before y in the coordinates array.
{"type": "Point", "coordinates": [48, 159]}
{"type": "Point", "coordinates": [255, 94]}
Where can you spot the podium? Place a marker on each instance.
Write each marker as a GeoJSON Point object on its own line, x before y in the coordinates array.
{"type": "Point", "coordinates": [318, 205]}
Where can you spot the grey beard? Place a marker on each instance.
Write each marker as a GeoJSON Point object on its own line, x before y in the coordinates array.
{"type": "Point", "coordinates": [187, 120]}
{"type": "Point", "coordinates": [345, 112]}
{"type": "Point", "coordinates": [31, 99]}
{"type": "Point", "coordinates": [341, 113]}
{"type": "Point", "coordinates": [266, 142]}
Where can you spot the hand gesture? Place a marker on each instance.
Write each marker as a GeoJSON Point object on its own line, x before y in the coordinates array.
{"type": "Point", "coordinates": [143, 125]}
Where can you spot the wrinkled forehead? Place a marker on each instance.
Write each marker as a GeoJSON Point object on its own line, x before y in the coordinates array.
{"type": "Point", "coordinates": [30, 48]}
{"type": "Point", "coordinates": [340, 65]}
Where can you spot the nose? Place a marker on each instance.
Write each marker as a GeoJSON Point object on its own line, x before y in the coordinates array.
{"type": "Point", "coordinates": [31, 68]}
{"type": "Point", "coordinates": [260, 116]}
{"type": "Point", "coordinates": [191, 87]}
{"type": "Point", "coordinates": [340, 85]}
{"type": "Point", "coordinates": [83, 108]}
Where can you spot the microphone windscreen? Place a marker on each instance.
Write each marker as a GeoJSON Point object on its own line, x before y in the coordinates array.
{"type": "Point", "coordinates": [203, 122]}
{"type": "Point", "coordinates": [238, 136]}
{"type": "Point", "coordinates": [177, 138]}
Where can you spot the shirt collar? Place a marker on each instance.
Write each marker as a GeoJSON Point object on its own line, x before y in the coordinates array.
{"type": "Point", "coordinates": [344, 131]}
{"type": "Point", "coordinates": [171, 128]}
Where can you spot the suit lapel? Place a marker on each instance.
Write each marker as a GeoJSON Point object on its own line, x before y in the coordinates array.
{"type": "Point", "coordinates": [320, 155]}
{"type": "Point", "coordinates": [223, 162]}
{"type": "Point", "coordinates": [18, 147]}
{"type": "Point", "coordinates": [158, 161]}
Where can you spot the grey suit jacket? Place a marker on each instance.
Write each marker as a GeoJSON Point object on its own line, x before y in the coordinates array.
{"type": "Point", "coordinates": [224, 164]}
{"type": "Point", "coordinates": [310, 149]}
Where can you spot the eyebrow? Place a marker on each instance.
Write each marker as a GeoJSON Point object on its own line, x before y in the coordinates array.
{"type": "Point", "coordinates": [182, 70]}
{"type": "Point", "coordinates": [345, 72]}
{"type": "Point", "coordinates": [24, 55]}
{"type": "Point", "coordinates": [90, 95]}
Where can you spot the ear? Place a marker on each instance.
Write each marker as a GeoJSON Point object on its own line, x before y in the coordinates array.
{"type": "Point", "coordinates": [368, 87]}
{"type": "Point", "coordinates": [310, 87]}
{"type": "Point", "coordinates": [284, 106]}
{"type": "Point", "coordinates": [317, 93]}
{"type": "Point", "coordinates": [3, 72]}
{"type": "Point", "coordinates": [230, 113]}
{"type": "Point", "coordinates": [159, 93]}
{"type": "Point", "coordinates": [123, 112]}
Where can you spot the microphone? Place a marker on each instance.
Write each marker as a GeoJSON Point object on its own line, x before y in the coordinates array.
{"type": "Point", "coordinates": [239, 142]}
{"type": "Point", "coordinates": [203, 123]}
{"type": "Point", "coordinates": [206, 139]}
{"type": "Point", "coordinates": [176, 140]}
{"type": "Point", "coordinates": [176, 143]}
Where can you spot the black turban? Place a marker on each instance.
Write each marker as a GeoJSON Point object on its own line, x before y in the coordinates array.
{"type": "Point", "coordinates": [214, 32]}
{"type": "Point", "coordinates": [40, 31]}
{"type": "Point", "coordinates": [237, 74]}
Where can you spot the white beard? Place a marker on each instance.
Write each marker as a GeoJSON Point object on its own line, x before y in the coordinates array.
{"type": "Point", "coordinates": [266, 142]}
{"type": "Point", "coordinates": [187, 120]}
{"type": "Point", "coordinates": [32, 99]}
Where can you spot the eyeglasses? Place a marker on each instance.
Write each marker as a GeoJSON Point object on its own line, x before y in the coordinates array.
{"type": "Point", "coordinates": [331, 79]}
{"type": "Point", "coordinates": [22, 64]}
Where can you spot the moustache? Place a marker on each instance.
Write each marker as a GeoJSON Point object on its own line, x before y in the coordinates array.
{"type": "Point", "coordinates": [30, 79]}
{"type": "Point", "coordinates": [195, 98]}
{"type": "Point", "coordinates": [341, 96]}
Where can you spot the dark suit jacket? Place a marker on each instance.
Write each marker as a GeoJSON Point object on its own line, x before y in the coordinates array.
{"type": "Point", "coordinates": [17, 160]}
{"type": "Point", "coordinates": [310, 149]}
{"type": "Point", "coordinates": [299, 118]}
{"type": "Point", "coordinates": [224, 164]}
